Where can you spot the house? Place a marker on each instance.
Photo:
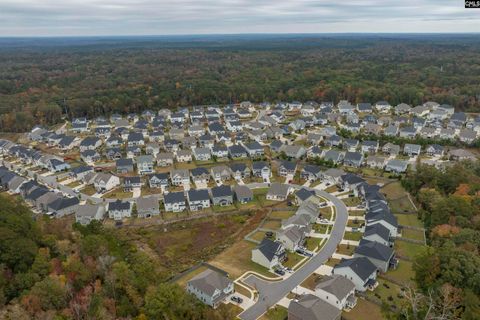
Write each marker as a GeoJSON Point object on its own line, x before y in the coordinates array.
{"type": "Point", "coordinates": [237, 151]}
{"type": "Point", "coordinates": [242, 193]}
{"type": "Point", "coordinates": [467, 136]}
{"type": "Point", "coordinates": [222, 195]}
{"type": "Point", "coordinates": [378, 233]}
{"type": "Point", "coordinates": [303, 194]}
{"type": "Point", "coordinates": [211, 287]}
{"type": "Point", "coordinates": [183, 155]}
{"type": "Point", "coordinates": [402, 108]}
{"type": "Point", "coordinates": [180, 177]}
{"type": "Point", "coordinates": [124, 165]}
{"type": "Point", "coordinates": [375, 162]}
{"type": "Point", "coordinates": [261, 169]}
{"type": "Point", "coordinates": [158, 180]}
{"type": "Point", "coordinates": [292, 237]}
{"type": "Point", "coordinates": [148, 207]}
{"type": "Point", "coordinates": [396, 166]}
{"type": "Point", "coordinates": [219, 151]}
{"type": "Point", "coordinates": [133, 151]}
{"type": "Point", "coordinates": [391, 149]}
{"type": "Point", "coordinates": [369, 146]}
{"type": "Point", "coordinates": [268, 253]}
{"type": "Point", "coordinates": [293, 151]}
{"type": "Point", "coordinates": [174, 201]}
{"type": "Point", "coordinates": [221, 173]}
{"type": "Point", "coordinates": [119, 209]}
{"type": "Point", "coordinates": [176, 133]}
{"type": "Point", "coordinates": [130, 183]}
{"type": "Point", "coordinates": [383, 217]}
{"type": "Point", "coordinates": [333, 141]}
{"type": "Point", "coordinates": [152, 148]}
{"type": "Point", "coordinates": [311, 172]}
{"type": "Point", "coordinates": [350, 144]}
{"type": "Point", "coordinates": [286, 168]}
{"type": "Point", "coordinates": [364, 107]}
{"type": "Point", "coordinates": [202, 154]}
{"type": "Point", "coordinates": [408, 132]}
{"type": "Point", "coordinates": [105, 182]}
{"type": "Point", "coordinates": [278, 192]}
{"type": "Point", "coordinates": [361, 271]}
{"type": "Point", "coordinates": [145, 164]}
{"type": "Point", "coordinates": [311, 307]}
{"type": "Point", "coordinates": [68, 142]}
{"type": "Point", "coordinates": [412, 150]}
{"type": "Point", "coordinates": [314, 152]}
{"type": "Point", "coordinates": [113, 154]}
{"type": "Point", "coordinates": [420, 111]}
{"type": "Point", "coordinates": [135, 139]}
{"type": "Point", "coordinates": [332, 176]}
{"type": "Point", "coordinates": [63, 206]}
{"type": "Point", "coordinates": [337, 291]}
{"type": "Point", "coordinates": [382, 256]}
{"type": "Point", "coordinates": [334, 156]}
{"type": "Point", "coordinates": [240, 170]}
{"type": "Point", "coordinates": [383, 106]}
{"type": "Point", "coordinates": [87, 213]}
{"type": "Point", "coordinates": [80, 172]}
{"type": "Point", "coordinates": [461, 154]}
{"type": "Point", "coordinates": [391, 131]}
{"type": "Point", "coordinates": [165, 159]}
{"type": "Point", "coordinates": [198, 199]}
{"type": "Point", "coordinates": [353, 159]}
{"type": "Point", "coordinates": [254, 149]}
{"type": "Point", "coordinates": [90, 143]}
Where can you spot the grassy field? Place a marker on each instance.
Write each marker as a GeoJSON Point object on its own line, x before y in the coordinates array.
{"type": "Point", "coordinates": [393, 191]}
{"type": "Point", "coordinates": [388, 292]}
{"type": "Point", "coordinates": [407, 249]}
{"type": "Point", "coordinates": [413, 234]}
{"type": "Point", "coordinates": [74, 184]}
{"type": "Point", "coordinates": [118, 194]}
{"type": "Point", "coordinates": [292, 259]}
{"type": "Point", "coordinates": [89, 190]}
{"type": "Point", "coordinates": [326, 212]}
{"type": "Point", "coordinates": [312, 243]}
{"type": "Point", "coordinates": [356, 213]}
{"type": "Point", "coordinates": [354, 223]}
{"type": "Point", "coordinates": [272, 224]}
{"type": "Point", "coordinates": [331, 189]}
{"type": "Point", "coordinates": [409, 220]}
{"type": "Point", "coordinates": [258, 235]}
{"type": "Point", "coordinates": [236, 260]}
{"type": "Point", "coordinates": [345, 249]}
{"type": "Point", "coordinates": [352, 201]}
{"type": "Point", "coordinates": [332, 262]}
{"type": "Point", "coordinates": [364, 310]}
{"type": "Point", "coordinates": [275, 313]}
{"type": "Point", "coordinates": [281, 214]}
{"type": "Point", "coordinates": [320, 228]}
{"type": "Point", "coordinates": [404, 272]}
{"type": "Point", "coordinates": [353, 236]}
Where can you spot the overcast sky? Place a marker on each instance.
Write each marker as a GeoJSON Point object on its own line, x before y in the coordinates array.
{"type": "Point", "coordinates": [160, 17]}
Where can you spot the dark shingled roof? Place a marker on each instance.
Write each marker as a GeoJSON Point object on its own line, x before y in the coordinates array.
{"type": "Point", "coordinates": [361, 266]}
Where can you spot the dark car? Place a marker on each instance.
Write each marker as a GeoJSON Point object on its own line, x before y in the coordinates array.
{"type": "Point", "coordinates": [236, 299]}
{"type": "Point", "coordinates": [269, 234]}
{"type": "Point", "coordinates": [280, 272]}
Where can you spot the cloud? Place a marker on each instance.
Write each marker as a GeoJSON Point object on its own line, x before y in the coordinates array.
{"type": "Point", "coordinates": [129, 17]}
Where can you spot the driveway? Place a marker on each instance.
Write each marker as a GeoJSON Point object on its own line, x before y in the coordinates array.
{"type": "Point", "coordinates": [270, 293]}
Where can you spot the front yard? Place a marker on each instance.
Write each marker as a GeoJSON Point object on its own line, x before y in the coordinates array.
{"type": "Point", "coordinates": [345, 249]}
{"type": "Point", "coordinates": [353, 236]}
{"type": "Point", "coordinates": [292, 259]}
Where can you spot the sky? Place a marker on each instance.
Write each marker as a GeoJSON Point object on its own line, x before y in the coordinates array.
{"type": "Point", "coordinates": [160, 17]}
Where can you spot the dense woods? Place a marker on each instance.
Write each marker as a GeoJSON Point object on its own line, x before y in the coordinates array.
{"type": "Point", "coordinates": [41, 79]}
{"type": "Point", "coordinates": [447, 274]}
{"type": "Point", "coordinates": [53, 271]}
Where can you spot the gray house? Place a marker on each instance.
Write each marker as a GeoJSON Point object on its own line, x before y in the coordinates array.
{"type": "Point", "coordinates": [222, 195]}
{"type": "Point", "coordinates": [145, 164]}
{"type": "Point", "coordinates": [382, 256]}
{"type": "Point", "coordinates": [198, 199]}
{"type": "Point", "coordinates": [361, 271]}
{"type": "Point", "coordinates": [396, 166]}
{"type": "Point", "coordinates": [353, 159]}
{"type": "Point", "coordinates": [88, 212]}
{"type": "Point", "coordinates": [243, 194]}
{"type": "Point", "coordinates": [211, 287]}
{"type": "Point", "coordinates": [292, 237]}
{"type": "Point", "coordinates": [174, 201]}
{"type": "Point", "coordinates": [124, 165]}
{"type": "Point", "coordinates": [268, 253]}
{"type": "Point", "coordinates": [148, 207]}
{"type": "Point", "coordinates": [311, 307]}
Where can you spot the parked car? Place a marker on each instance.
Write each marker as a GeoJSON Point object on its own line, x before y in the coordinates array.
{"type": "Point", "coordinates": [236, 299]}
{"type": "Point", "coordinates": [280, 272]}
{"type": "Point", "coordinates": [269, 234]}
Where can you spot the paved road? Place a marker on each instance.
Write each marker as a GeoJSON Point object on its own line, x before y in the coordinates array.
{"type": "Point", "coordinates": [272, 292]}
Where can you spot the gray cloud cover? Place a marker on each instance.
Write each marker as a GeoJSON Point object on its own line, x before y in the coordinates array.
{"type": "Point", "coordinates": [150, 17]}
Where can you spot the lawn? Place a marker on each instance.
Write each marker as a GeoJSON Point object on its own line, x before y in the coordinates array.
{"type": "Point", "coordinates": [413, 234]}
{"type": "Point", "coordinates": [281, 214]}
{"type": "Point", "coordinates": [312, 243]}
{"type": "Point", "coordinates": [275, 313]}
{"type": "Point", "coordinates": [355, 223]}
{"type": "Point", "coordinates": [312, 281]}
{"type": "Point", "coordinates": [118, 194]}
{"type": "Point", "coordinates": [409, 220]}
{"type": "Point", "coordinates": [332, 189]}
{"type": "Point", "coordinates": [393, 191]}
{"type": "Point", "coordinates": [182, 281]}
{"type": "Point", "coordinates": [292, 259]}
{"type": "Point", "coordinates": [74, 184]}
{"type": "Point", "coordinates": [320, 228]}
{"type": "Point", "coordinates": [345, 249]}
{"type": "Point", "coordinates": [237, 259]}
{"type": "Point", "coordinates": [332, 262]}
{"type": "Point", "coordinates": [271, 224]}
{"type": "Point", "coordinates": [404, 272]}
{"type": "Point", "coordinates": [258, 235]}
{"type": "Point", "coordinates": [401, 205]}
{"type": "Point", "coordinates": [89, 190]}
{"type": "Point", "coordinates": [242, 290]}
{"type": "Point", "coordinates": [364, 310]}
{"type": "Point", "coordinates": [407, 249]}
{"type": "Point", "coordinates": [388, 292]}
{"type": "Point", "coordinates": [352, 201]}
{"type": "Point", "coordinates": [224, 208]}
{"type": "Point", "coordinates": [356, 213]}
{"type": "Point", "coordinates": [353, 236]}
{"type": "Point", "coordinates": [326, 212]}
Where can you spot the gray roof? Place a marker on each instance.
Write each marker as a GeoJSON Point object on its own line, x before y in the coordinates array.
{"type": "Point", "coordinates": [310, 307]}
{"type": "Point", "coordinates": [337, 285]}
{"type": "Point", "coordinates": [361, 266]}
{"type": "Point", "coordinates": [374, 250]}
{"type": "Point", "coordinates": [63, 203]}
{"type": "Point", "coordinates": [146, 203]}
{"type": "Point", "coordinates": [119, 205]}
{"type": "Point", "coordinates": [269, 248]}
{"type": "Point", "coordinates": [209, 281]}
{"type": "Point", "coordinates": [242, 192]}
{"type": "Point", "coordinates": [198, 195]}
{"type": "Point", "coordinates": [222, 191]}
{"type": "Point", "coordinates": [278, 189]}
{"type": "Point", "coordinates": [174, 197]}
{"type": "Point", "coordinates": [377, 229]}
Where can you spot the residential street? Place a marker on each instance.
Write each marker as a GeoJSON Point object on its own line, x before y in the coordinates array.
{"type": "Point", "coordinates": [272, 292]}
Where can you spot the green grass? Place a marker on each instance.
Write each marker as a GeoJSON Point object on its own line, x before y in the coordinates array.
{"type": "Point", "coordinates": [345, 249]}
{"type": "Point", "coordinates": [404, 272]}
{"type": "Point", "coordinates": [259, 235]}
{"type": "Point", "coordinates": [312, 243]}
{"type": "Point", "coordinates": [89, 190]}
{"type": "Point", "coordinates": [409, 220]}
{"type": "Point", "coordinates": [364, 310]}
{"type": "Point", "coordinates": [281, 214]}
{"type": "Point", "coordinates": [413, 234]}
{"type": "Point", "coordinates": [74, 184]}
{"type": "Point", "coordinates": [332, 189]}
{"type": "Point", "coordinates": [292, 259]}
{"type": "Point", "coordinates": [332, 262]}
{"type": "Point", "coordinates": [407, 249]}
{"type": "Point", "coordinates": [272, 224]}
{"type": "Point", "coordinates": [275, 313]}
{"type": "Point", "coordinates": [388, 292]}
{"type": "Point", "coordinates": [393, 191]}
{"type": "Point", "coordinates": [354, 223]}
{"type": "Point", "coordinates": [353, 236]}
{"type": "Point", "coordinates": [357, 213]}
{"type": "Point", "coordinates": [182, 281]}
{"type": "Point", "coordinates": [320, 228]}
{"type": "Point", "coordinates": [326, 212]}
{"type": "Point", "coordinates": [352, 201]}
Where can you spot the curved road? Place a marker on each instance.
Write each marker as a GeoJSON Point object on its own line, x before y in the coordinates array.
{"type": "Point", "coordinates": [269, 293]}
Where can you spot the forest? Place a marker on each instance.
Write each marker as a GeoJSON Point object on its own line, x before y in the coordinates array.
{"type": "Point", "coordinates": [43, 80]}
{"type": "Point", "coordinates": [53, 270]}
{"type": "Point", "coordinates": [447, 273]}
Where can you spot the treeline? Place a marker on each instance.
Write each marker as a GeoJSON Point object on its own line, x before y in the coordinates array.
{"type": "Point", "coordinates": [447, 274]}
{"type": "Point", "coordinates": [151, 74]}
{"type": "Point", "coordinates": [50, 270]}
